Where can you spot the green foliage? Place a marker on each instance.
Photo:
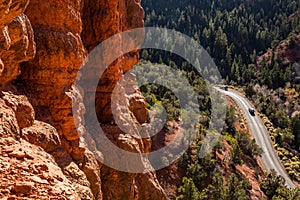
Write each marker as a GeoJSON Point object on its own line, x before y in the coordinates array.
{"type": "Point", "coordinates": [229, 138]}
{"type": "Point", "coordinates": [235, 188]}
{"type": "Point", "coordinates": [271, 183]}
{"type": "Point", "coordinates": [188, 191]}
{"type": "Point", "coordinates": [284, 137]}
{"type": "Point", "coordinates": [283, 128]}
{"type": "Point", "coordinates": [204, 178]}
{"type": "Point", "coordinates": [236, 155]}
{"type": "Point", "coordinates": [197, 172]}
{"type": "Point", "coordinates": [285, 193]}
{"type": "Point", "coordinates": [249, 91]}
{"type": "Point", "coordinates": [248, 146]}
{"type": "Point", "coordinates": [274, 188]}
{"type": "Point", "coordinates": [279, 118]}
{"type": "Point", "coordinates": [242, 145]}
{"type": "Point", "coordinates": [233, 32]}
{"type": "Point", "coordinates": [230, 119]}
{"type": "Point", "coordinates": [295, 127]}
{"type": "Point", "coordinates": [215, 189]}
{"type": "Point", "coordinates": [158, 95]}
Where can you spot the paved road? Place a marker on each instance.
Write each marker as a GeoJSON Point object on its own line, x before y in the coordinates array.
{"type": "Point", "coordinates": [260, 134]}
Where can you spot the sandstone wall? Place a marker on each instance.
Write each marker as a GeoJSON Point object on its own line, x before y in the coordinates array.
{"type": "Point", "coordinates": [101, 20]}
{"type": "Point", "coordinates": [42, 45]}
{"type": "Point", "coordinates": [16, 39]}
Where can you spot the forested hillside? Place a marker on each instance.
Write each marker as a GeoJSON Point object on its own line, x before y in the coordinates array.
{"type": "Point", "coordinates": [235, 33]}
{"type": "Point", "coordinates": [256, 46]}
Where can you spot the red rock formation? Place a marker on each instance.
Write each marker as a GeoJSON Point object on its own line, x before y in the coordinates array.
{"type": "Point", "coordinates": [49, 77]}
{"type": "Point", "coordinates": [8, 122]}
{"type": "Point", "coordinates": [101, 20]}
{"type": "Point", "coordinates": [26, 170]}
{"type": "Point", "coordinates": [39, 160]}
{"type": "Point", "coordinates": [16, 39]}
{"type": "Point", "coordinates": [30, 173]}
{"type": "Point", "coordinates": [22, 108]}
{"type": "Point", "coordinates": [60, 53]}
{"type": "Point", "coordinates": [43, 135]}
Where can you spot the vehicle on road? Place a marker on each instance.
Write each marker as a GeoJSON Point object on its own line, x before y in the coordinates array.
{"type": "Point", "coordinates": [224, 87]}
{"type": "Point", "coordinates": [260, 134]}
{"type": "Point", "coordinates": [251, 111]}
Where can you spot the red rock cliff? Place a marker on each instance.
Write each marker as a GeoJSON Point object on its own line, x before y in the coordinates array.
{"type": "Point", "coordinates": [101, 20]}
{"type": "Point", "coordinates": [16, 39]}
{"type": "Point", "coordinates": [43, 154]}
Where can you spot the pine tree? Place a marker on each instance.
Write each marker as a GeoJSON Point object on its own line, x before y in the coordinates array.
{"type": "Point", "coordinates": [188, 190]}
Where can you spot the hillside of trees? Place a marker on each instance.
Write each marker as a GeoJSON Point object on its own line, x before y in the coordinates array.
{"type": "Point", "coordinates": [207, 177]}
{"type": "Point", "coordinates": [233, 32]}
{"type": "Point", "coordinates": [236, 34]}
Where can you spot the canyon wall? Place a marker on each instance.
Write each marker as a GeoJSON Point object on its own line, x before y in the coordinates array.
{"type": "Point", "coordinates": [44, 152]}
{"type": "Point", "coordinates": [101, 20]}
{"type": "Point", "coordinates": [16, 39]}
{"type": "Point", "coordinates": [27, 170]}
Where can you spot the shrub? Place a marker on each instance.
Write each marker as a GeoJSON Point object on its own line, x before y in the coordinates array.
{"type": "Point", "coordinates": [248, 146]}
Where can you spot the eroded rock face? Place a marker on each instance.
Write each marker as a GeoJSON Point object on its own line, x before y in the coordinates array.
{"type": "Point", "coordinates": [26, 170]}
{"type": "Point", "coordinates": [22, 108]}
{"type": "Point", "coordinates": [10, 9]}
{"type": "Point", "coordinates": [51, 74]}
{"type": "Point", "coordinates": [59, 162]}
{"type": "Point", "coordinates": [101, 20]}
{"type": "Point", "coordinates": [43, 135]}
{"type": "Point", "coordinates": [127, 135]}
{"type": "Point", "coordinates": [16, 39]}
{"type": "Point", "coordinates": [137, 102]}
{"type": "Point", "coordinates": [91, 168]}
{"type": "Point", "coordinates": [78, 178]}
{"type": "Point", "coordinates": [8, 122]}
{"type": "Point", "coordinates": [47, 82]}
